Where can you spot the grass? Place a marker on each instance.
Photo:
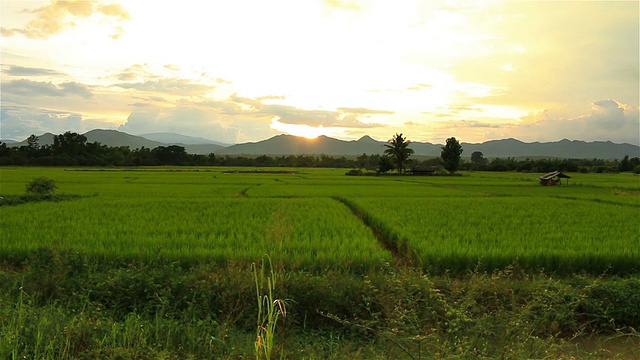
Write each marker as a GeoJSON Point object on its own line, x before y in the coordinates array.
{"type": "Point", "coordinates": [61, 305]}
{"type": "Point", "coordinates": [155, 263]}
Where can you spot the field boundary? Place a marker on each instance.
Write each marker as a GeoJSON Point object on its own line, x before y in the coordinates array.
{"type": "Point", "coordinates": [390, 241]}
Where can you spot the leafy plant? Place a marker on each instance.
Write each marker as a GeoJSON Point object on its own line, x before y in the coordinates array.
{"type": "Point", "coordinates": [270, 310]}
{"type": "Point", "coordinates": [41, 186]}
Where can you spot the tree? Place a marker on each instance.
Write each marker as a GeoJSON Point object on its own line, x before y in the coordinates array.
{"type": "Point", "coordinates": [170, 155]}
{"type": "Point", "coordinates": [477, 157]}
{"type": "Point", "coordinates": [385, 164]}
{"type": "Point", "coordinates": [32, 145]}
{"type": "Point", "coordinates": [451, 155]}
{"type": "Point", "coordinates": [625, 164]}
{"type": "Point", "coordinates": [69, 143]}
{"type": "Point", "coordinates": [41, 186]}
{"type": "Point", "coordinates": [399, 151]}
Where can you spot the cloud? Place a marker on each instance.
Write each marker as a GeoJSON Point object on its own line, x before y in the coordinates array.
{"type": "Point", "coordinates": [171, 86]}
{"type": "Point", "coordinates": [114, 10]}
{"type": "Point", "coordinates": [343, 117]}
{"type": "Point", "coordinates": [15, 70]}
{"type": "Point", "coordinates": [18, 123]}
{"type": "Point", "coordinates": [419, 87]}
{"type": "Point", "coordinates": [609, 114]}
{"type": "Point", "coordinates": [349, 5]}
{"type": "Point", "coordinates": [30, 88]}
{"type": "Point", "coordinates": [186, 120]}
{"type": "Point", "coordinates": [60, 15]}
{"type": "Point", "coordinates": [365, 111]}
{"type": "Point", "coordinates": [606, 120]}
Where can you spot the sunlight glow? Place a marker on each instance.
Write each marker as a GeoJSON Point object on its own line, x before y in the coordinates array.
{"type": "Point", "coordinates": [307, 131]}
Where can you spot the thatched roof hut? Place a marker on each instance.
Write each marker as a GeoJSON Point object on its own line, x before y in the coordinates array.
{"type": "Point", "coordinates": [553, 178]}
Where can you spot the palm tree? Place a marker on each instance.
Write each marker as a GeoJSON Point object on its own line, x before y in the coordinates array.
{"type": "Point", "coordinates": [399, 151]}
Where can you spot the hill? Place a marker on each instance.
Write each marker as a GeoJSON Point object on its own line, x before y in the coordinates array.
{"type": "Point", "coordinates": [294, 145]}
{"type": "Point", "coordinates": [178, 139]}
{"type": "Point", "coordinates": [104, 137]}
{"type": "Point", "coordinates": [118, 138]}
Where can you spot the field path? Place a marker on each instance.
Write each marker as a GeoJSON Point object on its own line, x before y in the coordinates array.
{"type": "Point", "coordinates": [384, 236]}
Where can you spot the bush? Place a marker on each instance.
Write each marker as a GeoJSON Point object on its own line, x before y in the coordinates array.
{"type": "Point", "coordinates": [41, 186]}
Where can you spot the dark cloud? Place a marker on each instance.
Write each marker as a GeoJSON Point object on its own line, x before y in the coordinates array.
{"type": "Point", "coordinates": [15, 70]}
{"type": "Point", "coordinates": [59, 16]}
{"type": "Point", "coordinates": [25, 87]}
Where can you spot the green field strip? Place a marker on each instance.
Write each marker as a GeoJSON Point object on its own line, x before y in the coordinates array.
{"type": "Point", "coordinates": [634, 202]}
{"type": "Point", "coordinates": [493, 233]}
{"type": "Point", "coordinates": [311, 233]}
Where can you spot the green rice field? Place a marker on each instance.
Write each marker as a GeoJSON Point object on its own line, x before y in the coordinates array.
{"type": "Point", "coordinates": [320, 218]}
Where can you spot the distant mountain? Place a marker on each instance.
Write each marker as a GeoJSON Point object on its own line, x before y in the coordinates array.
{"type": "Point", "coordinates": [293, 145]}
{"type": "Point", "coordinates": [173, 138]}
{"type": "Point", "coordinates": [104, 137]}
{"type": "Point", "coordinates": [119, 138]}
{"type": "Point", "coordinates": [7, 141]}
{"type": "Point", "coordinates": [572, 149]}
{"type": "Point", "coordinates": [44, 139]}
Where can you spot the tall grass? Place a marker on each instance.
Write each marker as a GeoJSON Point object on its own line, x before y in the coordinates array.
{"type": "Point", "coordinates": [270, 309]}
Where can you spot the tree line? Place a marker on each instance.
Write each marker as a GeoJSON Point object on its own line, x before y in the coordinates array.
{"type": "Point", "coordinates": [72, 149]}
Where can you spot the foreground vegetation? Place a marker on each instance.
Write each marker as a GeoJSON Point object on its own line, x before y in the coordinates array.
{"type": "Point", "coordinates": [157, 263]}
{"type": "Point", "coordinates": [61, 306]}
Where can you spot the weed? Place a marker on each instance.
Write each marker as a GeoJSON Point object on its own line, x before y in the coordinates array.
{"type": "Point", "coordinates": [270, 309]}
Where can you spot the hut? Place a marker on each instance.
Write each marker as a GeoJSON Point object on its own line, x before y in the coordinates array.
{"type": "Point", "coordinates": [553, 178]}
{"type": "Point", "coordinates": [424, 170]}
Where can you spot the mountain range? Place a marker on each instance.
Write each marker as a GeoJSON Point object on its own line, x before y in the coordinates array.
{"type": "Point", "coordinates": [294, 145]}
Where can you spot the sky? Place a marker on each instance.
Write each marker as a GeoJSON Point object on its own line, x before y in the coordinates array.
{"type": "Point", "coordinates": [244, 71]}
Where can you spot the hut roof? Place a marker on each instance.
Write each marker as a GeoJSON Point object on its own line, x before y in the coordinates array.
{"type": "Point", "coordinates": [553, 174]}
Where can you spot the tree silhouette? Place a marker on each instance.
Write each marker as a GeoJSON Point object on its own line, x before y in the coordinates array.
{"type": "Point", "coordinates": [69, 143]}
{"type": "Point", "coordinates": [399, 151]}
{"type": "Point", "coordinates": [451, 155]}
{"type": "Point", "coordinates": [477, 157]}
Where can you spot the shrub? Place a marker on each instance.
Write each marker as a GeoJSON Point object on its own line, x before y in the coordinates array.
{"type": "Point", "coordinates": [41, 186]}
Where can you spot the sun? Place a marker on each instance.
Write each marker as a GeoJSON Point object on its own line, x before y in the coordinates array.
{"type": "Point", "coordinates": [303, 130]}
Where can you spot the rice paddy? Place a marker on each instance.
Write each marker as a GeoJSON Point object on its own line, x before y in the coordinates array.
{"type": "Point", "coordinates": [478, 220]}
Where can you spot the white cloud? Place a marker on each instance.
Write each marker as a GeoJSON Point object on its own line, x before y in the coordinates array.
{"type": "Point", "coordinates": [185, 120]}
{"type": "Point", "coordinates": [59, 16]}
{"type": "Point", "coordinates": [18, 123]}
{"type": "Point", "coordinates": [606, 120]}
